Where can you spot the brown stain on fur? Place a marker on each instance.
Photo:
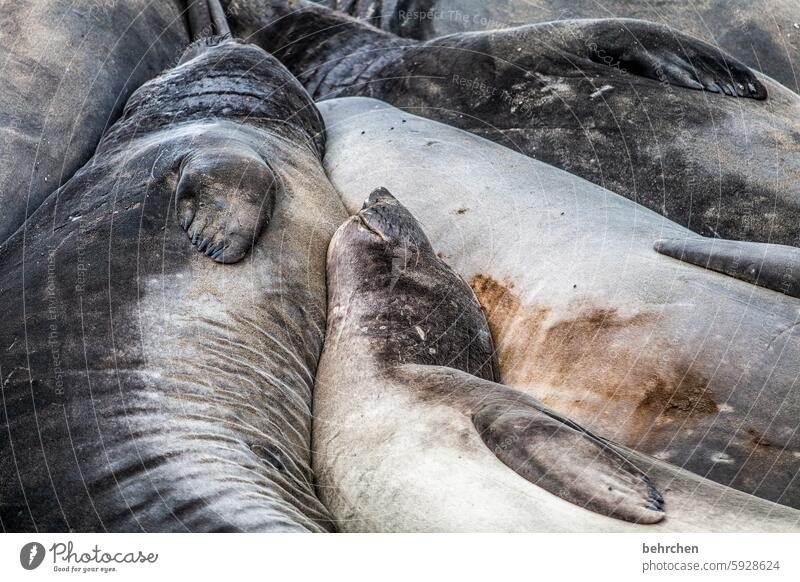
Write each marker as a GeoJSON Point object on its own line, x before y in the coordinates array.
{"type": "Point", "coordinates": [593, 362]}
{"type": "Point", "coordinates": [692, 397]}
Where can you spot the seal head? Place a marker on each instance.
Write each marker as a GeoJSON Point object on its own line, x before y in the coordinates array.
{"type": "Point", "coordinates": [384, 276]}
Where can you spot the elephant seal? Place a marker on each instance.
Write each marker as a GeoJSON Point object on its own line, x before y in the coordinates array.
{"type": "Point", "coordinates": [412, 434]}
{"type": "Point", "coordinates": [695, 367]}
{"type": "Point", "coordinates": [762, 33]}
{"type": "Point", "coordinates": [608, 100]}
{"type": "Point", "coordinates": [145, 386]}
{"type": "Point", "coordinates": [68, 69]}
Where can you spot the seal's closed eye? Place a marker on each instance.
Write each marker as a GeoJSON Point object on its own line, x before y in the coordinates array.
{"type": "Point", "coordinates": [391, 221]}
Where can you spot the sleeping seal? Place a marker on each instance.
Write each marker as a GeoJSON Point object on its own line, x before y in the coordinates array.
{"type": "Point", "coordinates": [674, 360]}
{"type": "Point", "coordinates": [412, 434]}
{"type": "Point", "coordinates": [612, 101]}
{"type": "Point", "coordinates": [146, 386]}
{"type": "Point", "coordinates": [761, 33]}
{"type": "Point", "coordinates": [68, 67]}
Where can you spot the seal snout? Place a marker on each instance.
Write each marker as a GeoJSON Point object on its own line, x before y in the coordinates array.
{"type": "Point", "coordinates": [379, 195]}
{"type": "Point", "coordinates": [386, 217]}
{"type": "Point", "coordinates": [376, 214]}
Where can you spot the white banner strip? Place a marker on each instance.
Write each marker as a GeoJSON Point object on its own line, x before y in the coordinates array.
{"type": "Point", "coordinates": [286, 557]}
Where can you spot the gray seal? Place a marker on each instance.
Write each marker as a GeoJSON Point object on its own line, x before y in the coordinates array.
{"type": "Point", "coordinates": [412, 433]}
{"type": "Point", "coordinates": [614, 101]}
{"type": "Point", "coordinates": [147, 387]}
{"type": "Point", "coordinates": [761, 33]}
{"type": "Point", "coordinates": [68, 69]}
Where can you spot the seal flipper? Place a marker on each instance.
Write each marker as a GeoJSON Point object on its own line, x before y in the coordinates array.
{"type": "Point", "coordinates": [775, 267]}
{"type": "Point", "coordinates": [664, 54]}
{"type": "Point", "coordinates": [218, 18]}
{"type": "Point", "coordinates": [543, 447]}
{"type": "Point", "coordinates": [206, 18]}
{"type": "Point", "coordinates": [199, 19]}
{"type": "Point", "coordinates": [564, 459]}
{"type": "Point", "coordinates": [224, 198]}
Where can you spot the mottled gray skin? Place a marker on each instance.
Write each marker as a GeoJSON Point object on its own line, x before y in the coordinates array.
{"type": "Point", "coordinates": [145, 386]}
{"type": "Point", "coordinates": [761, 33]}
{"type": "Point", "coordinates": [67, 68]}
{"type": "Point", "coordinates": [564, 93]}
{"type": "Point", "coordinates": [412, 434]}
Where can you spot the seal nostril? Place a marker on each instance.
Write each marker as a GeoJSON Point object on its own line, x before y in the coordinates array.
{"type": "Point", "coordinates": [379, 195]}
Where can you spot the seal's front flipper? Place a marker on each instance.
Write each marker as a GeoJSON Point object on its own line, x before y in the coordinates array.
{"type": "Point", "coordinates": [206, 18]}
{"type": "Point", "coordinates": [543, 447]}
{"type": "Point", "coordinates": [218, 18]}
{"type": "Point", "coordinates": [225, 197]}
{"type": "Point", "coordinates": [566, 460]}
{"type": "Point", "coordinates": [199, 19]}
{"type": "Point", "coordinates": [664, 54]}
{"type": "Point", "coordinates": [775, 267]}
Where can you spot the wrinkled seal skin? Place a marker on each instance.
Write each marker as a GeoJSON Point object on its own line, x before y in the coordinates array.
{"type": "Point", "coordinates": [761, 33]}
{"type": "Point", "coordinates": [68, 68]}
{"type": "Point", "coordinates": [145, 386]}
{"type": "Point", "coordinates": [672, 359]}
{"type": "Point", "coordinates": [411, 434]}
{"type": "Point", "coordinates": [557, 92]}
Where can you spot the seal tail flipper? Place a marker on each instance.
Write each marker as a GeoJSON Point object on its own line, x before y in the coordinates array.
{"type": "Point", "coordinates": [662, 53]}
{"type": "Point", "coordinates": [207, 18]}
{"type": "Point", "coordinates": [218, 18]}
{"type": "Point", "coordinates": [566, 460]}
{"type": "Point", "coordinates": [199, 19]}
{"type": "Point", "coordinates": [775, 267]}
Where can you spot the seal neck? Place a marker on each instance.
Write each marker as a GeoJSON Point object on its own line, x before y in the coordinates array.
{"type": "Point", "coordinates": [393, 314]}
{"type": "Point", "coordinates": [233, 82]}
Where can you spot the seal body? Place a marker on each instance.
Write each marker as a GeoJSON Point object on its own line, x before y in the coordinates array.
{"type": "Point", "coordinates": [412, 434]}
{"type": "Point", "coordinates": [671, 359]}
{"type": "Point", "coordinates": [612, 101]}
{"type": "Point", "coordinates": [761, 33]}
{"type": "Point", "coordinates": [68, 69]}
{"type": "Point", "coordinates": [146, 386]}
